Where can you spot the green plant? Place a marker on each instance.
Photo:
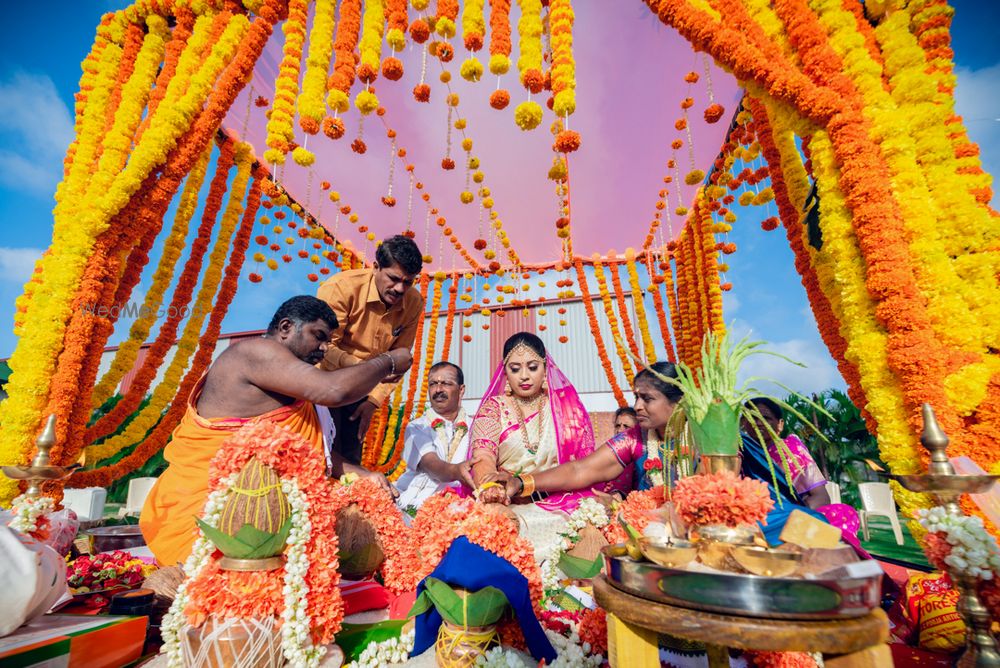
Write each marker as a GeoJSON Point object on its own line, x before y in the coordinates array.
{"type": "Point", "coordinates": [837, 438]}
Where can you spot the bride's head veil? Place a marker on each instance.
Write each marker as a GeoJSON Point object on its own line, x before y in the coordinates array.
{"type": "Point", "coordinates": [573, 431]}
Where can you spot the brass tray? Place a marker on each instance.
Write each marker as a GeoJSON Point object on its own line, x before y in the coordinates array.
{"type": "Point", "coordinates": [745, 595]}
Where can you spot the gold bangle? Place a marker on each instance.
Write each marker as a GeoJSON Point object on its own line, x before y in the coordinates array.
{"type": "Point", "coordinates": [527, 484]}
{"type": "Point", "coordinates": [480, 490]}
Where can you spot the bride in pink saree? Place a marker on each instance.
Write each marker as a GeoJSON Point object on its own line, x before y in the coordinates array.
{"type": "Point", "coordinates": [530, 419]}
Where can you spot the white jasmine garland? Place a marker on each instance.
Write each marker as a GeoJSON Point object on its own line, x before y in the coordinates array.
{"type": "Point", "coordinates": [974, 552]}
{"type": "Point", "coordinates": [27, 510]}
{"type": "Point", "coordinates": [570, 652]}
{"type": "Point", "coordinates": [296, 641]}
{"type": "Point", "coordinates": [174, 620]}
{"type": "Point", "coordinates": [590, 511]}
{"type": "Point", "coordinates": [387, 652]}
{"type": "Point", "coordinates": [502, 657]}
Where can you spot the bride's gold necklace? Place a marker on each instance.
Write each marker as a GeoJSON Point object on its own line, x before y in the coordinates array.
{"type": "Point", "coordinates": [518, 403]}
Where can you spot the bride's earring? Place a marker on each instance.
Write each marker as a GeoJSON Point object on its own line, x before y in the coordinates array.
{"type": "Point", "coordinates": [507, 388]}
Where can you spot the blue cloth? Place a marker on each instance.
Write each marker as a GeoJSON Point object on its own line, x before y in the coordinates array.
{"type": "Point", "coordinates": [755, 465]}
{"type": "Point", "coordinates": [469, 566]}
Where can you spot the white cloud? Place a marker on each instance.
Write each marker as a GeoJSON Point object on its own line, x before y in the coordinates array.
{"type": "Point", "coordinates": [37, 127]}
{"type": "Point", "coordinates": [16, 264]}
{"type": "Point", "coordinates": [818, 373]}
{"type": "Point", "coordinates": [977, 100]}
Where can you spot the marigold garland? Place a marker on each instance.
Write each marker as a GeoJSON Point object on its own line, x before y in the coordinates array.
{"type": "Point", "coordinates": [609, 313]}
{"type": "Point", "coordinates": [181, 297]}
{"type": "Point", "coordinates": [563, 67]}
{"type": "Point", "coordinates": [344, 45]}
{"type": "Point", "coordinates": [449, 323]}
{"type": "Point", "coordinates": [626, 320]}
{"type": "Point", "coordinates": [529, 32]}
{"type": "Point", "coordinates": [431, 341]}
{"type": "Point", "coordinates": [280, 131]}
{"type": "Point", "coordinates": [602, 351]}
{"type": "Point", "coordinates": [370, 48]}
{"type": "Point", "coordinates": [185, 347]}
{"type": "Point", "coordinates": [310, 101]}
{"type": "Point", "coordinates": [638, 299]}
{"type": "Point", "coordinates": [157, 438]}
{"type": "Point", "coordinates": [173, 246]}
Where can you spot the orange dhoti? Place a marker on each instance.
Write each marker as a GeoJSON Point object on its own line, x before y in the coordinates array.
{"type": "Point", "coordinates": [167, 519]}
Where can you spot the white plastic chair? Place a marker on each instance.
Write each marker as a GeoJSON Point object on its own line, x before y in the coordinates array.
{"type": "Point", "coordinates": [138, 490]}
{"type": "Point", "coordinates": [833, 491]}
{"type": "Point", "coordinates": [87, 503]}
{"type": "Point", "coordinates": [876, 499]}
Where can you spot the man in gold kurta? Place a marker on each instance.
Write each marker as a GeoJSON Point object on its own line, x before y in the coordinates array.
{"type": "Point", "coordinates": [378, 309]}
{"type": "Point", "coordinates": [270, 378]}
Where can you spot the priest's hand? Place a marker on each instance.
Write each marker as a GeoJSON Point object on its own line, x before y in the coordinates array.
{"type": "Point", "coordinates": [402, 358]}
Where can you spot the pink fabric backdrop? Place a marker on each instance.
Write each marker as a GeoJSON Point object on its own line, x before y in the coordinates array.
{"type": "Point", "coordinates": [630, 82]}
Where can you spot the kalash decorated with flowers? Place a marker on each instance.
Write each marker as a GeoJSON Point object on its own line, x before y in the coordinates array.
{"type": "Point", "coordinates": [698, 534]}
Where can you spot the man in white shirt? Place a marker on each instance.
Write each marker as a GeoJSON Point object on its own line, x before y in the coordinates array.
{"type": "Point", "coordinates": [437, 443]}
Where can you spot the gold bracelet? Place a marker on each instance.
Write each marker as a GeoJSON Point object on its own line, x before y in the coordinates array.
{"type": "Point", "coordinates": [480, 490]}
{"type": "Point", "coordinates": [527, 484]}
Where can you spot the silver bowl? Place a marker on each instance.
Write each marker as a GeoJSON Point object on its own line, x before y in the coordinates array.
{"type": "Point", "coordinates": [109, 539]}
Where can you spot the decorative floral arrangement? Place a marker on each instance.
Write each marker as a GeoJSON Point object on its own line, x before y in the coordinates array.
{"type": "Point", "coordinates": [29, 514]}
{"type": "Point", "coordinates": [400, 569]}
{"type": "Point", "coordinates": [602, 351]}
{"type": "Point", "coordinates": [959, 543]}
{"type": "Point", "coordinates": [589, 512]}
{"type": "Point", "coordinates": [446, 516]}
{"type": "Point", "coordinates": [722, 498]}
{"type": "Point", "coordinates": [304, 593]}
{"type": "Point", "coordinates": [386, 653]}
{"type": "Point", "coordinates": [108, 570]}
{"type": "Point", "coordinates": [635, 511]}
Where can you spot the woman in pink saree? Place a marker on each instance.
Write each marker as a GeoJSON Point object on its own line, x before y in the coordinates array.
{"type": "Point", "coordinates": [530, 419]}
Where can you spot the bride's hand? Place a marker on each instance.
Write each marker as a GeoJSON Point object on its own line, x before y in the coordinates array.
{"type": "Point", "coordinates": [495, 494]}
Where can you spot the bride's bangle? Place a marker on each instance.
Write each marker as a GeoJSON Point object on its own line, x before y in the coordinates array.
{"type": "Point", "coordinates": [527, 484]}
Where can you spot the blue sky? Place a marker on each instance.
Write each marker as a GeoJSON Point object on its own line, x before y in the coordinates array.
{"type": "Point", "coordinates": [39, 70]}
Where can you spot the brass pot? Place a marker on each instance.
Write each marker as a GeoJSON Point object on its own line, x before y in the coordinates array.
{"type": "Point", "coordinates": [460, 647]}
{"type": "Point", "coordinates": [719, 463]}
{"type": "Point", "coordinates": [233, 643]}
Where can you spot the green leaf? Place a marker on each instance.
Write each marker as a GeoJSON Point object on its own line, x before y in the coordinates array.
{"type": "Point", "coordinates": [249, 542]}
{"type": "Point", "coordinates": [580, 569]}
{"type": "Point", "coordinates": [420, 606]}
{"type": "Point", "coordinates": [354, 638]}
{"type": "Point", "coordinates": [479, 608]}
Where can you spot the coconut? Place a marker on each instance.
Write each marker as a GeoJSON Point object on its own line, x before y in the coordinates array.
{"type": "Point", "coordinates": [360, 549]}
{"type": "Point", "coordinates": [256, 499]}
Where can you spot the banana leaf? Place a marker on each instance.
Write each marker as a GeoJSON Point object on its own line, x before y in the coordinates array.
{"type": "Point", "coordinates": [249, 542]}
{"type": "Point", "coordinates": [354, 638]}
{"type": "Point", "coordinates": [478, 608]}
{"type": "Point", "coordinates": [580, 569]}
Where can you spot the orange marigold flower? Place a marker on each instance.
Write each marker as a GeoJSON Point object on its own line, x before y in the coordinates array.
{"type": "Point", "coordinates": [367, 73]}
{"type": "Point", "coordinates": [287, 258]}
{"type": "Point", "coordinates": [308, 125]}
{"type": "Point", "coordinates": [714, 112]}
{"type": "Point", "coordinates": [447, 163]}
{"type": "Point", "coordinates": [275, 247]}
{"type": "Point", "coordinates": [422, 92]}
{"type": "Point", "coordinates": [687, 103]}
{"type": "Point", "coordinates": [680, 123]}
{"type": "Point", "coordinates": [445, 51]}
{"type": "Point", "coordinates": [312, 277]}
{"type": "Point", "coordinates": [691, 77]}
{"type": "Point", "coordinates": [261, 101]}
{"type": "Point", "coordinates": [261, 239]}
{"type": "Point", "coordinates": [333, 127]}
{"type": "Point", "coordinates": [392, 69]}
{"type": "Point", "coordinates": [420, 31]}
{"type": "Point", "coordinates": [769, 224]}
{"type": "Point", "coordinates": [500, 98]}
{"type": "Point", "coordinates": [466, 338]}
{"type": "Point", "coordinates": [255, 278]}
{"type": "Point", "coordinates": [389, 201]}
{"type": "Point", "coordinates": [324, 185]}
{"type": "Point", "coordinates": [479, 244]}
{"type": "Point", "coordinates": [563, 339]}
{"type": "Point", "coordinates": [567, 141]}
{"type": "Point", "coordinates": [533, 80]}
{"type": "Point", "coordinates": [359, 146]}
{"type": "Point", "coordinates": [676, 144]}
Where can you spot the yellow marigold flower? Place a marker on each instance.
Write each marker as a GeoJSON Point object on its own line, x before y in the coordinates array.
{"type": "Point", "coordinates": [490, 254]}
{"type": "Point", "coordinates": [303, 156]}
{"type": "Point", "coordinates": [314, 259]}
{"type": "Point", "coordinates": [499, 64]}
{"type": "Point", "coordinates": [528, 115]}
{"type": "Point", "coordinates": [730, 217]}
{"type": "Point", "coordinates": [445, 27]}
{"type": "Point", "coordinates": [473, 163]}
{"type": "Point", "coordinates": [472, 69]}
{"type": "Point", "coordinates": [694, 177]}
{"type": "Point", "coordinates": [337, 100]}
{"type": "Point", "coordinates": [478, 176]}
{"type": "Point", "coordinates": [272, 264]}
{"type": "Point", "coordinates": [466, 144]}
{"type": "Point", "coordinates": [466, 197]}
{"type": "Point", "coordinates": [460, 124]}
{"type": "Point", "coordinates": [274, 156]}
{"type": "Point", "coordinates": [396, 39]}
{"type": "Point", "coordinates": [353, 218]}
{"type": "Point", "coordinates": [366, 102]}
{"type": "Point", "coordinates": [278, 229]}
{"type": "Point", "coordinates": [565, 102]}
{"type": "Point", "coordinates": [334, 196]}
{"type": "Point", "coordinates": [746, 198]}
{"type": "Point", "coordinates": [259, 257]}
{"type": "Point", "coordinates": [445, 76]}
{"type": "Point", "coordinates": [488, 203]}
